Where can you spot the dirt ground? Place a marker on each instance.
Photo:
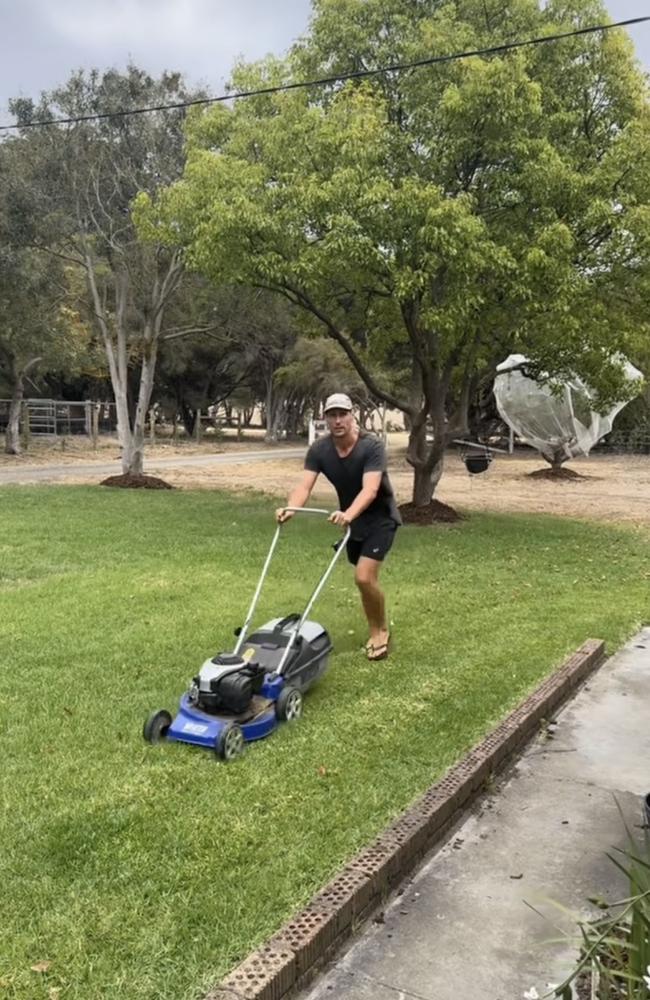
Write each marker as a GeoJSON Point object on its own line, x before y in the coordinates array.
{"type": "Point", "coordinates": [615, 488]}
{"type": "Point", "coordinates": [72, 450]}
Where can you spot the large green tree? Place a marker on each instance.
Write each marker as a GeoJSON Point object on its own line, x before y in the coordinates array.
{"type": "Point", "coordinates": [439, 216]}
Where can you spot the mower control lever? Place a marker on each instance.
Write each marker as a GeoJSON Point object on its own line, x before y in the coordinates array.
{"type": "Point", "coordinates": [286, 621]}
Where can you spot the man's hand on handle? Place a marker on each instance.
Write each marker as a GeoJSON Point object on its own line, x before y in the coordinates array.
{"type": "Point", "coordinates": [339, 517]}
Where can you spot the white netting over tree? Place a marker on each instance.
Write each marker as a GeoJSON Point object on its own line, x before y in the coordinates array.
{"type": "Point", "coordinates": [556, 418]}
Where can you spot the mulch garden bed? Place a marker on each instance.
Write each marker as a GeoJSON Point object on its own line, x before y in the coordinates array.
{"type": "Point", "coordinates": [136, 482]}
{"type": "Point", "coordinates": [434, 512]}
{"type": "Point", "coordinates": [557, 475]}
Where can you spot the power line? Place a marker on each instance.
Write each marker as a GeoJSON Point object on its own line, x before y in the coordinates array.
{"type": "Point", "coordinates": [323, 81]}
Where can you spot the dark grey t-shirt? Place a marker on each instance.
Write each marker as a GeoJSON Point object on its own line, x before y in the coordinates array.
{"type": "Point", "coordinates": [346, 476]}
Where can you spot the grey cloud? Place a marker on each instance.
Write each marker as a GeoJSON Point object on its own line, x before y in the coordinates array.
{"type": "Point", "coordinates": [43, 41]}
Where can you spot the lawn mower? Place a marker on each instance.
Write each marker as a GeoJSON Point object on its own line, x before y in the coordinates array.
{"type": "Point", "coordinates": [241, 696]}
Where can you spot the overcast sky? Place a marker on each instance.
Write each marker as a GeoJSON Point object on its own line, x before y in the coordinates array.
{"type": "Point", "coordinates": [42, 41]}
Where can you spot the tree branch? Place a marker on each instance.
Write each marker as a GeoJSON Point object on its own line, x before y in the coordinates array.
{"type": "Point", "coordinates": [302, 299]}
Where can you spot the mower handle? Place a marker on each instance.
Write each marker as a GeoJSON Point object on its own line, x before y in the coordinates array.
{"type": "Point", "coordinates": [308, 510]}
{"type": "Point", "coordinates": [243, 632]}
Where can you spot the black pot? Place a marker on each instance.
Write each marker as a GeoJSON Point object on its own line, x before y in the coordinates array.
{"type": "Point", "coordinates": [475, 464]}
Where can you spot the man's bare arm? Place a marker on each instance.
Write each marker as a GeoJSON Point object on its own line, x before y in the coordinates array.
{"type": "Point", "coordinates": [369, 490]}
{"type": "Point", "coordinates": [298, 496]}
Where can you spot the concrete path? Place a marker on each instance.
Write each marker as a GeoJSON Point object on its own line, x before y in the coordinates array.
{"type": "Point", "coordinates": [47, 473]}
{"type": "Point", "coordinates": [461, 930]}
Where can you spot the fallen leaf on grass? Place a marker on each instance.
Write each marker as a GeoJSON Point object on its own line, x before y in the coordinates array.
{"type": "Point", "coordinates": [322, 771]}
{"type": "Point", "coordinates": [41, 966]}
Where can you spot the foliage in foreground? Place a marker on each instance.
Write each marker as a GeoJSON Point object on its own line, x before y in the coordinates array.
{"type": "Point", "coordinates": [615, 957]}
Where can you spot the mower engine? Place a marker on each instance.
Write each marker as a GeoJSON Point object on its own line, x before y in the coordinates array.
{"type": "Point", "coordinates": [226, 683]}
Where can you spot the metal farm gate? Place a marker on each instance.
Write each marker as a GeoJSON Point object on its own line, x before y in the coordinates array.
{"type": "Point", "coordinates": [54, 418]}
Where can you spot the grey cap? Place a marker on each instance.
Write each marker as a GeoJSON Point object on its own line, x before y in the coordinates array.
{"type": "Point", "coordinates": [338, 401]}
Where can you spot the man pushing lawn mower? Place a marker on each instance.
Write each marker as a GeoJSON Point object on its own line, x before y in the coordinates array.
{"type": "Point", "coordinates": [355, 465]}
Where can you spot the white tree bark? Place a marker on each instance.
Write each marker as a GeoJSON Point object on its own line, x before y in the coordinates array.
{"type": "Point", "coordinates": [115, 336]}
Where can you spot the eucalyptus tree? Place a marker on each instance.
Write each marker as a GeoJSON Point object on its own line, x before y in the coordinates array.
{"type": "Point", "coordinates": [77, 189]}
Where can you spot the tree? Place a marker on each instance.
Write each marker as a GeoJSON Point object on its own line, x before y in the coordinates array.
{"type": "Point", "coordinates": [32, 329]}
{"type": "Point", "coordinates": [314, 369]}
{"type": "Point", "coordinates": [77, 196]}
{"type": "Point", "coordinates": [437, 212]}
{"type": "Point", "coordinates": [247, 335]}
{"type": "Point", "coordinates": [39, 327]}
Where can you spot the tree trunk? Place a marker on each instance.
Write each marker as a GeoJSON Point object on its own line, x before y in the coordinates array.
{"type": "Point", "coordinates": [188, 416]}
{"type": "Point", "coordinates": [124, 434]}
{"type": "Point", "coordinates": [275, 413]}
{"type": "Point", "coordinates": [424, 484]}
{"type": "Point", "coordinates": [426, 458]}
{"type": "Point", "coordinates": [133, 455]}
{"type": "Point", "coordinates": [12, 433]}
{"type": "Point", "coordinates": [557, 459]}
{"type": "Point", "coordinates": [270, 405]}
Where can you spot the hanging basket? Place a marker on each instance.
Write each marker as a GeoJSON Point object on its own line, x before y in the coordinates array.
{"type": "Point", "coordinates": [476, 457]}
{"type": "Point", "coordinates": [476, 464]}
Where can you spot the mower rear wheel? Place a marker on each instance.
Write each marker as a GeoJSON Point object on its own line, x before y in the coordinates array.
{"type": "Point", "coordinates": [288, 707]}
{"type": "Point", "coordinates": [229, 744]}
{"type": "Point", "coordinates": [156, 726]}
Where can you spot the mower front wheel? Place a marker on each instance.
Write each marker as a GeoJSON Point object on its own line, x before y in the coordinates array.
{"type": "Point", "coordinates": [156, 726]}
{"type": "Point", "coordinates": [229, 744]}
{"type": "Point", "coordinates": [288, 707]}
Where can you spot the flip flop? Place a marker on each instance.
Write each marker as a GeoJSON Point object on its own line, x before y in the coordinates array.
{"type": "Point", "coordinates": [380, 652]}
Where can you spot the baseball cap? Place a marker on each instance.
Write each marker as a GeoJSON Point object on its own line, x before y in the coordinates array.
{"type": "Point", "coordinates": [337, 401]}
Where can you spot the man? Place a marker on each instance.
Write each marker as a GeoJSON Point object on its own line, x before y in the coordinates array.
{"type": "Point", "coordinates": [355, 465]}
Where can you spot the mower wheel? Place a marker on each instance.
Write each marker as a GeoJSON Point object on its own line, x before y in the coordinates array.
{"type": "Point", "coordinates": [156, 726]}
{"type": "Point", "coordinates": [288, 707]}
{"type": "Point", "coordinates": [229, 744]}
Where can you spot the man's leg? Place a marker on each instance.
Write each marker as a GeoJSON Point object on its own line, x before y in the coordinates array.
{"type": "Point", "coordinates": [366, 578]}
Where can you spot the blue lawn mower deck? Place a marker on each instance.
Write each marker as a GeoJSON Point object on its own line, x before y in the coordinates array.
{"type": "Point", "coordinates": [241, 696]}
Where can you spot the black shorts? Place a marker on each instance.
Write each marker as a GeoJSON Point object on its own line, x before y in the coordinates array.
{"type": "Point", "coordinates": [375, 545]}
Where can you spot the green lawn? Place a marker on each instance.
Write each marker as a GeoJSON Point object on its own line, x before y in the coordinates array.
{"type": "Point", "coordinates": [146, 872]}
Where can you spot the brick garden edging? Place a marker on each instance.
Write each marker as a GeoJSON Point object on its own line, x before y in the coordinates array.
{"type": "Point", "coordinates": [314, 933]}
